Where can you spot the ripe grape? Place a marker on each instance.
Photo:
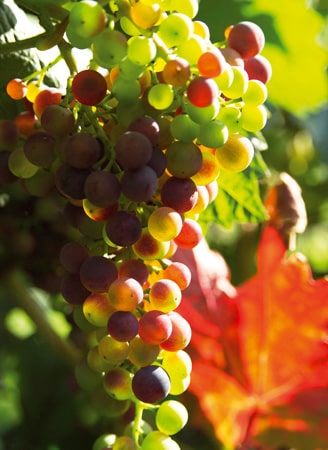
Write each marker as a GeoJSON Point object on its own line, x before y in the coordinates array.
{"type": "Point", "coordinates": [236, 154]}
{"type": "Point", "coordinates": [149, 248]}
{"type": "Point", "coordinates": [125, 294]}
{"type": "Point", "coordinates": [39, 149]}
{"type": "Point", "coordinates": [70, 181]}
{"type": "Point", "coordinates": [45, 98]}
{"type": "Point", "coordinates": [181, 333]}
{"type": "Point", "coordinates": [179, 193]}
{"type": "Point", "coordinates": [72, 289]}
{"type": "Point", "coordinates": [209, 171]}
{"type": "Point", "coordinates": [151, 384]}
{"type": "Point", "coordinates": [176, 72]}
{"type": "Point", "coordinates": [97, 273]}
{"type": "Point", "coordinates": [122, 325]}
{"type": "Point", "coordinates": [89, 87]}
{"type": "Point", "coordinates": [139, 185]}
{"type": "Point", "coordinates": [202, 91]}
{"type": "Point", "coordinates": [258, 68]}
{"type": "Point", "coordinates": [147, 126]}
{"type": "Point", "coordinates": [72, 255]}
{"type": "Point", "coordinates": [57, 120]}
{"type": "Point", "coordinates": [178, 272]}
{"type": "Point", "coordinates": [133, 150]}
{"type": "Point", "coordinates": [183, 159]}
{"type": "Point", "coordinates": [145, 15]}
{"type": "Point", "coordinates": [171, 417]}
{"type": "Point", "coordinates": [155, 327]}
{"type": "Point", "coordinates": [16, 89]}
{"type": "Point", "coordinates": [247, 38]}
{"type": "Point", "coordinates": [102, 188]}
{"type": "Point", "coordinates": [82, 150]}
{"type": "Point", "coordinates": [211, 63]}
{"type": "Point", "coordinates": [190, 235]}
{"type": "Point", "coordinates": [134, 268]}
{"type": "Point", "coordinates": [123, 228]}
{"type": "Point", "coordinates": [232, 57]}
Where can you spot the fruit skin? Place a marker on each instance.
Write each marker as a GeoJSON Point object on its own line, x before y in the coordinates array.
{"type": "Point", "coordinates": [89, 87]}
{"type": "Point", "coordinates": [151, 384]}
{"type": "Point", "coordinates": [247, 38]}
{"type": "Point", "coordinates": [236, 154]}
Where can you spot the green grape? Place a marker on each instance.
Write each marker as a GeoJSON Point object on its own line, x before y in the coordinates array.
{"type": "Point", "coordinates": [160, 96]}
{"type": "Point", "coordinates": [141, 353]}
{"type": "Point", "coordinates": [236, 154]}
{"type": "Point", "coordinates": [175, 29]}
{"type": "Point", "coordinates": [129, 27]}
{"type": "Point", "coordinates": [126, 91]}
{"type": "Point", "coordinates": [230, 115]}
{"type": "Point", "coordinates": [192, 48]}
{"type": "Point", "coordinates": [77, 40]}
{"type": "Point", "coordinates": [256, 93]}
{"type": "Point", "coordinates": [165, 295]}
{"type": "Point", "coordinates": [225, 79]}
{"type": "Point", "coordinates": [202, 115]}
{"type": "Point", "coordinates": [87, 18]}
{"type": "Point", "coordinates": [164, 223]}
{"type": "Point", "coordinates": [109, 47]}
{"type": "Point", "coordinates": [171, 417]}
{"type": "Point", "coordinates": [97, 309]}
{"type": "Point", "coordinates": [129, 70]}
{"type": "Point", "coordinates": [127, 112]}
{"type": "Point", "coordinates": [117, 383]}
{"type": "Point", "coordinates": [19, 165]}
{"type": "Point", "coordinates": [183, 128]}
{"type": "Point", "coordinates": [124, 443]}
{"type": "Point", "coordinates": [96, 361]}
{"type": "Point", "coordinates": [179, 385]}
{"type": "Point", "coordinates": [177, 364]}
{"type": "Point", "coordinates": [86, 378]}
{"type": "Point", "coordinates": [187, 7]}
{"type": "Point", "coordinates": [141, 50]}
{"type": "Point", "coordinates": [239, 84]}
{"type": "Point", "coordinates": [213, 134]}
{"type": "Point", "coordinates": [113, 351]}
{"type": "Point", "coordinates": [253, 118]}
{"type": "Point", "coordinates": [104, 441]}
{"type": "Point", "coordinates": [159, 441]}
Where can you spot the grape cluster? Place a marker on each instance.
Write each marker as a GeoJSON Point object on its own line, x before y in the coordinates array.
{"type": "Point", "coordinates": [134, 145]}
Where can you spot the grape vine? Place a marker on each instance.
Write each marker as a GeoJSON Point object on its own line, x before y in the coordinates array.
{"type": "Point", "coordinates": [134, 144]}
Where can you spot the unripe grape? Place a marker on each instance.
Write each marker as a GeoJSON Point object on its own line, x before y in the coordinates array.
{"type": "Point", "coordinates": [117, 383]}
{"type": "Point", "coordinates": [144, 15]}
{"type": "Point", "coordinates": [104, 441]}
{"type": "Point", "coordinates": [149, 248]}
{"type": "Point", "coordinates": [183, 128]}
{"type": "Point", "coordinates": [253, 118]}
{"type": "Point", "coordinates": [175, 29]}
{"type": "Point", "coordinates": [141, 353]}
{"type": "Point", "coordinates": [97, 309]}
{"type": "Point", "coordinates": [97, 362]}
{"type": "Point", "coordinates": [160, 96]}
{"type": "Point", "coordinates": [239, 84]}
{"type": "Point", "coordinates": [236, 154]}
{"type": "Point", "coordinates": [124, 443]}
{"type": "Point", "coordinates": [192, 49]}
{"type": "Point", "coordinates": [87, 18]}
{"type": "Point", "coordinates": [125, 294]}
{"type": "Point", "coordinates": [164, 223]}
{"type": "Point", "coordinates": [256, 93]}
{"type": "Point", "coordinates": [213, 134]}
{"type": "Point", "coordinates": [171, 417]}
{"type": "Point", "coordinates": [109, 47]}
{"type": "Point", "coordinates": [19, 165]}
{"type": "Point", "coordinates": [183, 159]}
{"type": "Point", "coordinates": [113, 351]}
{"type": "Point", "coordinates": [141, 50]}
{"type": "Point", "coordinates": [159, 441]}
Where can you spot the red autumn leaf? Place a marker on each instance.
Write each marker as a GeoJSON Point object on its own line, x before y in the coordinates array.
{"type": "Point", "coordinates": [260, 350]}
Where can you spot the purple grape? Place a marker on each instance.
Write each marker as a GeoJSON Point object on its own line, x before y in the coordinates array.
{"type": "Point", "coordinates": [97, 273]}
{"type": "Point", "coordinates": [133, 150]}
{"type": "Point", "coordinates": [123, 325]}
{"type": "Point", "coordinates": [151, 384]}
{"type": "Point", "coordinates": [123, 228]}
{"type": "Point", "coordinates": [102, 188]}
{"type": "Point", "coordinates": [179, 193]}
{"type": "Point", "coordinates": [139, 185]}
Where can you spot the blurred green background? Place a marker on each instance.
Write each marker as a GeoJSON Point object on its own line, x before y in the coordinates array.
{"type": "Point", "coordinates": [41, 406]}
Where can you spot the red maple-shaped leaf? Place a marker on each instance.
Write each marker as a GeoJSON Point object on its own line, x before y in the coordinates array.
{"type": "Point", "coordinates": [260, 350]}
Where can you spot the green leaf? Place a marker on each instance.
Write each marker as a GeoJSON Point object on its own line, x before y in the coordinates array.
{"type": "Point", "coordinates": [238, 200]}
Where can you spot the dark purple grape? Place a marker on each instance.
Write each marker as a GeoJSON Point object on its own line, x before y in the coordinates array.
{"type": "Point", "coordinates": [73, 290]}
{"type": "Point", "coordinates": [123, 325]}
{"type": "Point", "coordinates": [39, 149]}
{"type": "Point", "coordinates": [9, 134]}
{"type": "Point", "coordinates": [139, 185]}
{"type": "Point", "coordinates": [70, 181]}
{"type": "Point", "coordinates": [134, 268]}
{"type": "Point", "coordinates": [133, 150]}
{"type": "Point", "coordinates": [72, 255]}
{"type": "Point", "coordinates": [123, 228]}
{"type": "Point", "coordinates": [157, 161]}
{"type": "Point", "coordinates": [57, 120]}
{"type": "Point", "coordinates": [147, 126]}
{"type": "Point", "coordinates": [179, 193]}
{"type": "Point", "coordinates": [97, 273]}
{"type": "Point", "coordinates": [102, 188]}
{"type": "Point", "coordinates": [82, 150]}
{"type": "Point", "coordinates": [151, 384]}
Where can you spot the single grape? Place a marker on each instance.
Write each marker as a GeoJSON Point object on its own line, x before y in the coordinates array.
{"type": "Point", "coordinates": [16, 89]}
{"type": "Point", "coordinates": [133, 150]}
{"type": "Point", "coordinates": [147, 126]}
{"type": "Point", "coordinates": [102, 188]}
{"type": "Point", "coordinates": [129, 70]}
{"type": "Point", "coordinates": [45, 98]}
{"type": "Point", "coordinates": [232, 57]}
{"type": "Point", "coordinates": [159, 441]}
{"type": "Point", "coordinates": [97, 362]}
{"type": "Point", "coordinates": [179, 193]}
{"type": "Point", "coordinates": [39, 148]}
{"type": "Point", "coordinates": [141, 50]}
{"type": "Point", "coordinates": [145, 15]}
{"type": "Point", "coordinates": [142, 353]}
{"type": "Point", "coordinates": [165, 295]}
{"type": "Point", "coordinates": [175, 29]}
{"type": "Point", "coordinates": [176, 72]}
{"type": "Point", "coordinates": [151, 384]}
{"type": "Point", "coordinates": [134, 268]}
{"type": "Point", "coordinates": [72, 255]}
{"type": "Point", "coordinates": [82, 150]}
{"type": "Point", "coordinates": [89, 87]}
{"type": "Point", "coordinates": [97, 309]}
{"type": "Point", "coordinates": [247, 38]}
{"type": "Point", "coordinates": [57, 120]}
{"type": "Point", "coordinates": [204, 114]}
{"type": "Point", "coordinates": [139, 185]}
{"type": "Point", "coordinates": [164, 223]}
{"type": "Point", "coordinates": [187, 7]}
{"type": "Point", "coordinates": [211, 63]}
{"type": "Point", "coordinates": [85, 377]}
{"type": "Point", "coordinates": [109, 48]}
{"type": "Point", "coordinates": [125, 443]}
{"type": "Point", "coordinates": [258, 68]}
{"type": "Point", "coordinates": [97, 273]}
{"type": "Point", "coordinates": [155, 327]}
{"type": "Point", "coordinates": [171, 417]}
{"type": "Point", "coordinates": [122, 325]}
{"type": "Point", "coordinates": [19, 165]}
{"type": "Point", "coordinates": [104, 441]}
{"type": "Point", "coordinates": [113, 351]}
{"type": "Point", "coordinates": [87, 18]}
{"type": "Point", "coordinates": [192, 49]}
{"type": "Point", "coordinates": [202, 91]}
{"type": "Point", "coordinates": [253, 118]}
{"type": "Point", "coordinates": [149, 248]}
{"type": "Point", "coordinates": [213, 134]}
{"type": "Point", "coordinates": [76, 40]}
{"type": "Point", "coordinates": [181, 333]}
{"type": "Point", "coordinates": [160, 96]}
{"type": "Point", "coordinates": [209, 171]}
{"type": "Point", "coordinates": [70, 181]}
{"type": "Point", "coordinates": [239, 84]}
{"type": "Point", "coordinates": [72, 289]}
{"type": "Point", "coordinates": [184, 128]}
{"type": "Point", "coordinates": [125, 294]}
{"type": "Point", "coordinates": [183, 159]}
{"type": "Point", "coordinates": [190, 235]}
{"type": "Point", "coordinates": [123, 228]}
{"type": "Point", "coordinates": [179, 273]}
{"type": "Point", "coordinates": [236, 154]}
{"type": "Point", "coordinates": [117, 383]}
{"type": "Point", "coordinates": [126, 91]}
{"type": "Point", "coordinates": [256, 93]}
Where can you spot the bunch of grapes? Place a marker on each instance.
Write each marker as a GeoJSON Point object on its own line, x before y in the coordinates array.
{"type": "Point", "coordinates": [134, 145]}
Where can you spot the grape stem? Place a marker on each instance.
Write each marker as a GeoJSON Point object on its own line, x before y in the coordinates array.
{"type": "Point", "coordinates": [16, 285]}
{"type": "Point", "coordinates": [136, 430]}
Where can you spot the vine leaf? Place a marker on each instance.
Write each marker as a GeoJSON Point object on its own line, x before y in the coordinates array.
{"type": "Point", "coordinates": [260, 353]}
